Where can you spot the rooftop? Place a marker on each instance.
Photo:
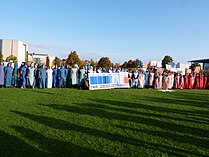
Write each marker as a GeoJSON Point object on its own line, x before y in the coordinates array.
{"type": "Point", "coordinates": [200, 60]}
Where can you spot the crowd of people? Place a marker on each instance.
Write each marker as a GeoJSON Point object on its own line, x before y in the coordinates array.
{"type": "Point", "coordinates": [40, 76]}
{"type": "Point", "coordinates": [168, 80]}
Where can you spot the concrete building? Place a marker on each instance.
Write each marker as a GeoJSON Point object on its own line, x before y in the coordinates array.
{"type": "Point", "coordinates": [16, 48]}
{"type": "Point", "coordinates": [41, 59]}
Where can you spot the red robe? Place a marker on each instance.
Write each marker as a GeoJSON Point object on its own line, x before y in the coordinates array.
{"type": "Point", "coordinates": [201, 81]}
{"type": "Point", "coordinates": [205, 82]}
{"type": "Point", "coordinates": [176, 81]}
{"type": "Point", "coordinates": [208, 82]}
{"type": "Point", "coordinates": [197, 82]}
{"type": "Point", "coordinates": [190, 81]}
{"type": "Point", "coordinates": [186, 82]}
{"type": "Point", "coordinates": [181, 84]}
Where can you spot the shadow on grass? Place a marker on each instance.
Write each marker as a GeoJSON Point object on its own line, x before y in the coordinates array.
{"type": "Point", "coordinates": [170, 136]}
{"type": "Point", "coordinates": [142, 120]}
{"type": "Point", "coordinates": [55, 147]}
{"type": "Point", "coordinates": [11, 146]}
{"type": "Point", "coordinates": [199, 113]}
{"type": "Point", "coordinates": [138, 112]}
{"type": "Point", "coordinates": [38, 91]}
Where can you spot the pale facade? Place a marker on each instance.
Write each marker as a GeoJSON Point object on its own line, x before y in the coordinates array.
{"type": "Point", "coordinates": [16, 48]}
{"type": "Point", "coordinates": [41, 58]}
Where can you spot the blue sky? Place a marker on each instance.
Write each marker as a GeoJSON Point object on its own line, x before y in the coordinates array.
{"type": "Point", "coordinates": [118, 29]}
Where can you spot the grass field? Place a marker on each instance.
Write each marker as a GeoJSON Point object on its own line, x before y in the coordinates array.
{"type": "Point", "coordinates": [129, 122]}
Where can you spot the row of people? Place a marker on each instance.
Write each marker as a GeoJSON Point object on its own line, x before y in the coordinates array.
{"type": "Point", "coordinates": [35, 76]}
{"type": "Point", "coordinates": [140, 79]}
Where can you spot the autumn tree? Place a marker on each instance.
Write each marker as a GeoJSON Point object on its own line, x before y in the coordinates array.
{"type": "Point", "coordinates": [129, 64]}
{"type": "Point", "coordinates": [166, 60]}
{"type": "Point", "coordinates": [116, 65]}
{"type": "Point", "coordinates": [194, 65]}
{"type": "Point", "coordinates": [125, 65]}
{"type": "Point", "coordinates": [104, 62]}
{"type": "Point", "coordinates": [1, 57]}
{"type": "Point", "coordinates": [83, 63]}
{"type": "Point", "coordinates": [57, 61]}
{"type": "Point", "coordinates": [11, 58]}
{"type": "Point", "coordinates": [93, 63]}
{"type": "Point", "coordinates": [73, 58]}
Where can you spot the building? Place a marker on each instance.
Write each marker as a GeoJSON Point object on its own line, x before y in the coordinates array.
{"type": "Point", "coordinates": [204, 62]}
{"type": "Point", "coordinates": [16, 48]}
{"type": "Point", "coordinates": [41, 59]}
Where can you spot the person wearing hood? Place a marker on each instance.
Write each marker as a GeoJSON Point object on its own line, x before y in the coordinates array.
{"type": "Point", "coordinates": [49, 72]}
{"type": "Point", "coordinates": [62, 77]}
{"type": "Point", "coordinates": [15, 75]}
{"type": "Point", "coordinates": [2, 74]}
{"type": "Point", "coordinates": [8, 76]}
{"type": "Point", "coordinates": [42, 77]}
{"type": "Point", "coordinates": [31, 72]}
{"type": "Point", "coordinates": [55, 73]}
{"type": "Point", "coordinates": [23, 71]}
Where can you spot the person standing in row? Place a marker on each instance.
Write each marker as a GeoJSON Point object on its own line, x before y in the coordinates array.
{"type": "Point", "coordinates": [23, 70]}
{"type": "Point", "coordinates": [49, 77]}
{"type": "Point", "coordinates": [15, 75]}
{"type": "Point", "coordinates": [42, 77]}
{"type": "Point", "coordinates": [8, 76]}
{"type": "Point", "coordinates": [2, 74]}
{"type": "Point", "coordinates": [31, 71]}
{"type": "Point", "coordinates": [55, 73]}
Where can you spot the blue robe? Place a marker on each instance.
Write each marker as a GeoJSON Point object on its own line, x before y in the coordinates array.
{"type": "Point", "coordinates": [8, 76]}
{"type": "Point", "coordinates": [1, 75]}
{"type": "Point", "coordinates": [36, 78]}
{"type": "Point", "coordinates": [62, 77]}
{"type": "Point", "coordinates": [55, 70]}
{"type": "Point", "coordinates": [23, 76]}
{"type": "Point", "coordinates": [42, 78]}
{"type": "Point", "coordinates": [15, 75]}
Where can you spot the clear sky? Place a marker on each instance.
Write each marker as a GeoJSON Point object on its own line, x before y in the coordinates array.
{"type": "Point", "coordinates": [118, 29]}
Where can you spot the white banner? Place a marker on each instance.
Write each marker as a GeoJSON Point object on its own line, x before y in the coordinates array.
{"type": "Point", "coordinates": [108, 80]}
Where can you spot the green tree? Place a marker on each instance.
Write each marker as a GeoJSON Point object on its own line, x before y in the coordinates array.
{"type": "Point", "coordinates": [1, 57]}
{"type": "Point", "coordinates": [194, 65]}
{"type": "Point", "coordinates": [57, 61]}
{"type": "Point", "coordinates": [93, 63]}
{"type": "Point", "coordinates": [125, 65]}
{"type": "Point", "coordinates": [130, 64]}
{"type": "Point", "coordinates": [166, 60]}
{"type": "Point", "coordinates": [104, 62]}
{"type": "Point", "coordinates": [11, 58]}
{"type": "Point", "coordinates": [73, 58]}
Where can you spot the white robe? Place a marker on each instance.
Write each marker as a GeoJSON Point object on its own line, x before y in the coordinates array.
{"type": "Point", "coordinates": [74, 73]}
{"type": "Point", "coordinates": [49, 78]}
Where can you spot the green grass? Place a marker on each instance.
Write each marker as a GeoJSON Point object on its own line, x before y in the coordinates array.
{"type": "Point", "coordinates": [129, 122]}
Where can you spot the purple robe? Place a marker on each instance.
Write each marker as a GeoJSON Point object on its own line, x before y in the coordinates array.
{"type": "Point", "coordinates": [1, 75]}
